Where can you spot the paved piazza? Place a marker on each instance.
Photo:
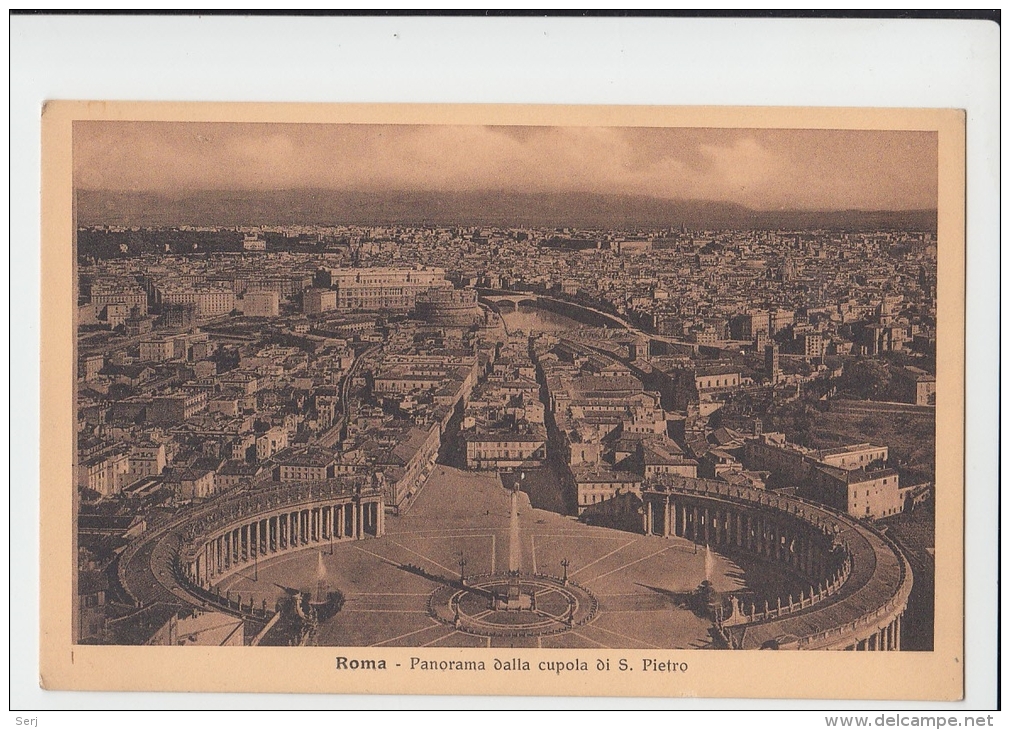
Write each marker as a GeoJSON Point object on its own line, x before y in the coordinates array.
{"type": "Point", "coordinates": [625, 590]}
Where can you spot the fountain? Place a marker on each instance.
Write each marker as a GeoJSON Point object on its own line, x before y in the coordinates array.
{"type": "Point", "coordinates": [321, 594]}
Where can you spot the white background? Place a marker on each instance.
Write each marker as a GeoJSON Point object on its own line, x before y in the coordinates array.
{"type": "Point", "coordinates": [896, 63]}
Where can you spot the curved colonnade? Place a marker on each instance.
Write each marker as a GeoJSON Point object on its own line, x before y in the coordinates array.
{"type": "Point", "coordinates": [186, 557]}
{"type": "Point", "coordinates": [859, 581]}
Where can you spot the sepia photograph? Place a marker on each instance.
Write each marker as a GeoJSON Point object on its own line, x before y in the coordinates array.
{"type": "Point", "coordinates": [553, 389]}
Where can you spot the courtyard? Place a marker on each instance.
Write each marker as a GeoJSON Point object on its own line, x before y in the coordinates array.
{"type": "Point", "coordinates": [460, 522]}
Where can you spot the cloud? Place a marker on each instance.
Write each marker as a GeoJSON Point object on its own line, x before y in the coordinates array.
{"type": "Point", "coordinates": [758, 168]}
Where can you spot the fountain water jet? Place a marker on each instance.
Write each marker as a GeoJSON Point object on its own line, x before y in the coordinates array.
{"type": "Point", "coordinates": [322, 587]}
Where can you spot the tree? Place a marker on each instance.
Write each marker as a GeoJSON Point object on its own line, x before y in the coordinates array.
{"type": "Point", "coordinates": [867, 379]}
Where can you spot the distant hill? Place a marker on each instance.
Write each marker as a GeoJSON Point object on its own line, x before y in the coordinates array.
{"type": "Point", "coordinates": [497, 208]}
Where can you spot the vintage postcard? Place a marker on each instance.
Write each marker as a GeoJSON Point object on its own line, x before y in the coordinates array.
{"type": "Point", "coordinates": [612, 401]}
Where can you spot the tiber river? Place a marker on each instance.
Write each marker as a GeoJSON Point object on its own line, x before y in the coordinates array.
{"type": "Point", "coordinates": [534, 319]}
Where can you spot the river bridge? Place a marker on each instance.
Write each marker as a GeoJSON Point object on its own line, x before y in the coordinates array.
{"type": "Point", "coordinates": [504, 301]}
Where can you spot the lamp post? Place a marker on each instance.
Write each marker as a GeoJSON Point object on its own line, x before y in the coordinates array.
{"type": "Point", "coordinates": [564, 566]}
{"type": "Point", "coordinates": [462, 566]}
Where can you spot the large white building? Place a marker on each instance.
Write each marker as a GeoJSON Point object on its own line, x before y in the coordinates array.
{"type": "Point", "coordinates": [209, 302]}
{"type": "Point", "coordinates": [383, 287]}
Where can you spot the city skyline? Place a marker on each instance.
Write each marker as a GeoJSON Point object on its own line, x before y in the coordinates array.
{"type": "Point", "coordinates": [335, 435]}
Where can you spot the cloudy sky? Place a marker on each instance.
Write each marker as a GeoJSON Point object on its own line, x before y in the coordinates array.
{"type": "Point", "coordinates": [762, 169]}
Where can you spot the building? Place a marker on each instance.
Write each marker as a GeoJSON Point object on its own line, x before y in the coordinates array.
{"type": "Point", "coordinates": [447, 307]}
{"type": "Point", "coordinates": [658, 457]}
{"type": "Point", "coordinates": [200, 628]}
{"type": "Point", "coordinates": [208, 301]}
{"type": "Point", "coordinates": [178, 407]}
{"type": "Point", "coordinates": [317, 301]}
{"type": "Point", "coordinates": [406, 466]}
{"type": "Point", "coordinates": [383, 288]}
{"type": "Point", "coordinates": [107, 473]}
{"type": "Point", "coordinates": [506, 449]}
{"type": "Point", "coordinates": [242, 382]}
{"type": "Point", "coordinates": [178, 315]}
{"type": "Point", "coordinates": [261, 304]}
{"type": "Point", "coordinates": [190, 484]}
{"type": "Point", "coordinates": [252, 242]}
{"type": "Point", "coordinates": [132, 296]}
{"type": "Point", "coordinates": [91, 366]}
{"type": "Point", "coordinates": [915, 385]}
{"type": "Point", "coordinates": [856, 456]}
{"type": "Point", "coordinates": [91, 589]}
{"type": "Point", "coordinates": [268, 444]}
{"type": "Point", "coordinates": [633, 246]}
{"type": "Point", "coordinates": [147, 460]}
{"type": "Point", "coordinates": [304, 465]}
{"type": "Point", "coordinates": [717, 463]}
{"type": "Point", "coordinates": [158, 349]}
{"type": "Point", "coordinates": [716, 377]}
{"type": "Point", "coordinates": [812, 344]}
{"type": "Point", "coordinates": [749, 325]}
{"type": "Point", "coordinates": [137, 326]}
{"type": "Point", "coordinates": [599, 483]}
{"type": "Point", "coordinates": [284, 286]}
{"type": "Point", "coordinates": [233, 472]}
{"type": "Point", "coordinates": [772, 368]}
{"type": "Point", "coordinates": [878, 338]}
{"type": "Point", "coordinates": [778, 320]}
{"type": "Point", "coordinates": [861, 493]}
{"type": "Point", "coordinates": [849, 478]}
{"type": "Point", "coordinates": [115, 315]}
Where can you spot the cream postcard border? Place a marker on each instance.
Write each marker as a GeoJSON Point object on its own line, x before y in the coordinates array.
{"type": "Point", "coordinates": [936, 675]}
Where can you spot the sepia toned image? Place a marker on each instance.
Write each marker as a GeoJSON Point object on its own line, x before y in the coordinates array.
{"type": "Point", "coordinates": [542, 390]}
